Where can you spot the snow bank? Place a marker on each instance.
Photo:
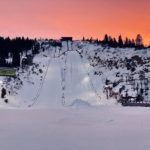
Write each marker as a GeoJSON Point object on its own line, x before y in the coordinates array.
{"type": "Point", "coordinates": [78, 103]}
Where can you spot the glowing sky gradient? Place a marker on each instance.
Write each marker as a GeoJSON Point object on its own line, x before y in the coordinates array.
{"type": "Point", "coordinates": [77, 18]}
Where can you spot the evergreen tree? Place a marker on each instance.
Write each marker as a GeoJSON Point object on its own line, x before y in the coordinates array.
{"type": "Point", "coordinates": [106, 39]}
{"type": "Point", "coordinates": [83, 39]}
{"type": "Point", "coordinates": [120, 41]}
{"type": "Point", "coordinates": [110, 41]}
{"type": "Point", "coordinates": [16, 59]}
{"type": "Point", "coordinates": [13, 47]}
{"type": "Point", "coordinates": [127, 43]}
{"type": "Point", "coordinates": [115, 42]}
{"type": "Point", "coordinates": [91, 39]}
{"type": "Point", "coordinates": [139, 41]}
{"type": "Point", "coordinates": [133, 43]}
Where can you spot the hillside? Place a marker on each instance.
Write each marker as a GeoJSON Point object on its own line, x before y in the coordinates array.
{"type": "Point", "coordinates": [77, 70]}
{"type": "Point", "coordinates": [68, 98]}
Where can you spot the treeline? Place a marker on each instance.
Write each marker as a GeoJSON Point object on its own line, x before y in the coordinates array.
{"type": "Point", "coordinates": [13, 48]}
{"type": "Point", "coordinates": [113, 42]}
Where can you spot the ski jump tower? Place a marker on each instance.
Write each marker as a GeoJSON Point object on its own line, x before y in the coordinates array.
{"type": "Point", "coordinates": [67, 40]}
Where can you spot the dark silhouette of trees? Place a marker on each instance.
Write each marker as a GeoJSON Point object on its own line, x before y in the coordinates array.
{"type": "Point", "coordinates": [36, 48]}
{"type": "Point", "coordinates": [115, 42]}
{"type": "Point", "coordinates": [139, 42]}
{"type": "Point", "coordinates": [13, 47]}
{"type": "Point", "coordinates": [106, 40]}
{"type": "Point", "coordinates": [133, 43]}
{"type": "Point", "coordinates": [120, 42]}
{"type": "Point", "coordinates": [127, 43]}
{"type": "Point", "coordinates": [83, 39]}
{"type": "Point", "coordinates": [109, 41]}
{"type": "Point", "coordinates": [16, 59]}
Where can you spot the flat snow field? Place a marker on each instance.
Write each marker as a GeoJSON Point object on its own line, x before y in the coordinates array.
{"type": "Point", "coordinates": [82, 128]}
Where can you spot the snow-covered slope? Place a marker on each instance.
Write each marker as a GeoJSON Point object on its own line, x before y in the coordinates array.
{"type": "Point", "coordinates": [79, 70]}
{"type": "Point", "coordinates": [59, 100]}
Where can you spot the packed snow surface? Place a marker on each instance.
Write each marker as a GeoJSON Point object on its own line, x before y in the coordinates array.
{"type": "Point", "coordinates": [90, 128]}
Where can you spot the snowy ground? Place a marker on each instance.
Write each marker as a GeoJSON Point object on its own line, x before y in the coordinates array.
{"type": "Point", "coordinates": [74, 80]}
{"type": "Point", "coordinates": [71, 76]}
{"type": "Point", "coordinates": [98, 128]}
{"type": "Point", "coordinates": [81, 120]}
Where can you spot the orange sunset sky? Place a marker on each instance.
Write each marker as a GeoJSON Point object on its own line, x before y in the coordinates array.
{"type": "Point", "coordinates": [77, 18]}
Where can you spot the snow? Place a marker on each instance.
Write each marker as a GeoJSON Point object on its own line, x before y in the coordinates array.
{"type": "Point", "coordinates": [77, 82]}
{"type": "Point", "coordinates": [88, 128]}
{"type": "Point", "coordinates": [79, 103]}
{"type": "Point", "coordinates": [84, 119]}
{"type": "Point", "coordinates": [69, 75]}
